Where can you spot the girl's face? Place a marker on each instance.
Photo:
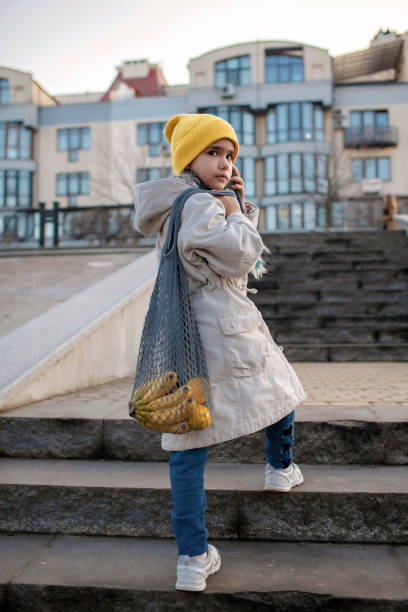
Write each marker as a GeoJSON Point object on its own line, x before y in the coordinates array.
{"type": "Point", "coordinates": [214, 165]}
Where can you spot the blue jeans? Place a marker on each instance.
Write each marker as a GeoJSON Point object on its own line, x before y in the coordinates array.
{"type": "Point", "coordinates": [187, 484]}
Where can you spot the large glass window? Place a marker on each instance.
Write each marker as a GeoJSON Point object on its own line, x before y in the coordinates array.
{"type": "Point", "coordinates": [283, 68]}
{"type": "Point", "coordinates": [15, 188]}
{"type": "Point", "coordinates": [246, 168]}
{"type": "Point", "coordinates": [73, 183]}
{"type": "Point", "coordinates": [73, 140]}
{"type": "Point", "coordinates": [15, 141]}
{"type": "Point", "coordinates": [242, 121]}
{"type": "Point", "coordinates": [235, 70]}
{"type": "Point", "coordinates": [299, 215]}
{"type": "Point", "coordinates": [151, 174]}
{"type": "Point", "coordinates": [295, 173]}
{"type": "Point", "coordinates": [152, 134]}
{"type": "Point", "coordinates": [294, 122]}
{"type": "Point", "coordinates": [369, 118]}
{"type": "Point", "coordinates": [4, 91]}
{"type": "Point", "coordinates": [371, 168]}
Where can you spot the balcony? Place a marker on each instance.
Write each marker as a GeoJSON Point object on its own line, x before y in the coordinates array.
{"type": "Point", "coordinates": [373, 136]}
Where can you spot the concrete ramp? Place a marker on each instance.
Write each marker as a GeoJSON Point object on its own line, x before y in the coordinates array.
{"type": "Point", "coordinates": [90, 339]}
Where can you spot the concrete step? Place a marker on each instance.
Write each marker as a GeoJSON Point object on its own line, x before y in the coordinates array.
{"type": "Point", "coordinates": [332, 308]}
{"type": "Point", "coordinates": [347, 284]}
{"type": "Point", "coordinates": [335, 504]}
{"type": "Point", "coordinates": [347, 352]}
{"type": "Point", "coordinates": [337, 295]}
{"type": "Point", "coordinates": [349, 239]}
{"type": "Point", "coordinates": [44, 573]}
{"type": "Point", "coordinates": [343, 321]}
{"type": "Point", "coordinates": [95, 424]}
{"type": "Point", "coordinates": [338, 335]}
{"type": "Point", "coordinates": [300, 274]}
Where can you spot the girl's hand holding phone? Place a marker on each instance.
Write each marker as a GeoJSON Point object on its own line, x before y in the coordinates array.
{"type": "Point", "coordinates": [237, 183]}
{"type": "Point", "coordinates": [231, 203]}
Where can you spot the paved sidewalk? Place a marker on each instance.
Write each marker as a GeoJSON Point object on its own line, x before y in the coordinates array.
{"type": "Point", "coordinates": [340, 386]}
{"type": "Point", "coordinates": [355, 384]}
{"type": "Point", "coordinates": [31, 285]}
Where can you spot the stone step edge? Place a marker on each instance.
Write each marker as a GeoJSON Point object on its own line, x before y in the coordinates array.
{"type": "Point", "coordinates": [230, 477]}
{"type": "Point", "coordinates": [351, 414]}
{"type": "Point", "coordinates": [43, 571]}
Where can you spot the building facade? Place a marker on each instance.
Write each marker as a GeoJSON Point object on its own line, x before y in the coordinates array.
{"type": "Point", "coordinates": [319, 135]}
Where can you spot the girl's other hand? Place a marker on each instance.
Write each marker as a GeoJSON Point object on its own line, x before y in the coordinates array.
{"type": "Point", "coordinates": [230, 204]}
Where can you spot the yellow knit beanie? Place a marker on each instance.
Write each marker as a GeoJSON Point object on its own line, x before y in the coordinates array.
{"type": "Point", "coordinates": [190, 134]}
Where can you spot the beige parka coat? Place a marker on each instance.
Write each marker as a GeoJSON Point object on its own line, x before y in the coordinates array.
{"type": "Point", "coordinates": [252, 383]}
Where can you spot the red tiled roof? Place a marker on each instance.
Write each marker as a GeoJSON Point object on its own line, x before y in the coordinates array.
{"type": "Point", "coordinates": [152, 85]}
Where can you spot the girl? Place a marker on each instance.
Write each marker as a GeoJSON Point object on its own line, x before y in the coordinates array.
{"type": "Point", "coordinates": [252, 385]}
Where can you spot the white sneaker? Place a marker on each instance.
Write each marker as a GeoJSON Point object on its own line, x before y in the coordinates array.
{"type": "Point", "coordinates": [282, 479]}
{"type": "Point", "coordinates": [193, 572]}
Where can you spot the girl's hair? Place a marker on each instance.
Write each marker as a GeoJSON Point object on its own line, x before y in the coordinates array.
{"type": "Point", "coordinates": [192, 176]}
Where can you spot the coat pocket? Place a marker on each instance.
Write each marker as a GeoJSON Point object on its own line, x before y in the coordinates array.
{"type": "Point", "coordinates": [244, 343]}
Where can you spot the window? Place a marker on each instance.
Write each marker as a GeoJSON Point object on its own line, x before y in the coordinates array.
{"type": "Point", "coordinates": [151, 174]}
{"type": "Point", "coordinates": [15, 188]}
{"type": "Point", "coordinates": [295, 121]}
{"type": "Point", "coordinates": [369, 118]}
{"type": "Point", "coordinates": [235, 70]}
{"type": "Point", "coordinates": [152, 134]}
{"type": "Point", "coordinates": [295, 173]}
{"type": "Point", "coordinates": [371, 168]}
{"type": "Point", "coordinates": [73, 183]}
{"type": "Point", "coordinates": [4, 91]}
{"type": "Point", "coordinates": [241, 120]}
{"type": "Point", "coordinates": [15, 141]}
{"type": "Point", "coordinates": [72, 140]}
{"type": "Point", "coordinates": [283, 68]}
{"type": "Point", "coordinates": [302, 215]}
{"type": "Point", "coordinates": [246, 168]}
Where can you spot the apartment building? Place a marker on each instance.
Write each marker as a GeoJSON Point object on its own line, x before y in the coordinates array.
{"type": "Point", "coordinates": [316, 132]}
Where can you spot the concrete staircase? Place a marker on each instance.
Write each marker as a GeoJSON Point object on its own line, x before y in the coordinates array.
{"type": "Point", "coordinates": [339, 296]}
{"type": "Point", "coordinates": [85, 513]}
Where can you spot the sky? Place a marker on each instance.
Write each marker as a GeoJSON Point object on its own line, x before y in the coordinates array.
{"type": "Point", "coordinates": [75, 46]}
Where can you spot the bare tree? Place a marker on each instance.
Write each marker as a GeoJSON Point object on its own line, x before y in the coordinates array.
{"type": "Point", "coordinates": [117, 161]}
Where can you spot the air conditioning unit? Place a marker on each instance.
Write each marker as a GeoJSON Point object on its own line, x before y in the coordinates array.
{"type": "Point", "coordinates": [371, 186]}
{"type": "Point", "coordinates": [227, 91]}
{"type": "Point", "coordinates": [339, 119]}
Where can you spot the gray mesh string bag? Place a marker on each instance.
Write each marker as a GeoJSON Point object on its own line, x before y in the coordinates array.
{"type": "Point", "coordinates": [171, 392]}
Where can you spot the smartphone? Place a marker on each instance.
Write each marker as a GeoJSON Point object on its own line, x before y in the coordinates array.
{"type": "Point", "coordinates": [229, 186]}
{"type": "Point", "coordinates": [231, 183]}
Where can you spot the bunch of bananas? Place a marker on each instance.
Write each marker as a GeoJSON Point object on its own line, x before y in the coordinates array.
{"type": "Point", "coordinates": [159, 405]}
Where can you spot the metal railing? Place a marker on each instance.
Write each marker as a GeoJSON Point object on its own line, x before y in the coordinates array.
{"type": "Point", "coordinates": [111, 225]}
{"type": "Point", "coordinates": [375, 136]}
{"type": "Point", "coordinates": [84, 226]}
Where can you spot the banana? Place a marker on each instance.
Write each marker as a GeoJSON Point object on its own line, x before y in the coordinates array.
{"type": "Point", "coordinates": [155, 388]}
{"type": "Point", "coordinates": [199, 416]}
{"type": "Point", "coordinates": [197, 387]}
{"type": "Point", "coordinates": [169, 416]}
{"type": "Point", "coordinates": [179, 428]}
{"type": "Point", "coordinates": [167, 401]}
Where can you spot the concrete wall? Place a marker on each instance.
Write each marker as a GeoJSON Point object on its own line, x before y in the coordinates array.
{"type": "Point", "coordinates": [317, 62]}
{"type": "Point", "coordinates": [88, 340]}
{"type": "Point", "coordinates": [112, 162]}
{"type": "Point", "coordinates": [19, 85]}
{"type": "Point", "coordinates": [397, 114]}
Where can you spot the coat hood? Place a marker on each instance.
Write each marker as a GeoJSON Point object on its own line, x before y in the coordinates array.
{"type": "Point", "coordinates": [154, 199]}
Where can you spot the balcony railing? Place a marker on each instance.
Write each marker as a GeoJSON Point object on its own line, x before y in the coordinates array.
{"type": "Point", "coordinates": [79, 226]}
{"type": "Point", "coordinates": [376, 136]}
